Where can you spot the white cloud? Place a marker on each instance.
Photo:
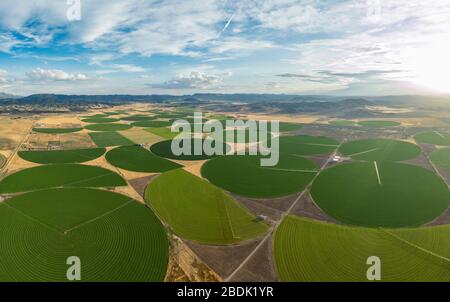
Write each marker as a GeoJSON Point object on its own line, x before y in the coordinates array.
{"type": "Point", "coordinates": [40, 74]}
{"type": "Point", "coordinates": [193, 80]}
{"type": "Point", "coordinates": [3, 76]}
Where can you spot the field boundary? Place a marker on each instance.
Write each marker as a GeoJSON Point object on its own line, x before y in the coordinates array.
{"type": "Point", "coordinates": [98, 217]}
{"type": "Point", "coordinates": [283, 215]}
{"type": "Point", "coordinates": [415, 246]}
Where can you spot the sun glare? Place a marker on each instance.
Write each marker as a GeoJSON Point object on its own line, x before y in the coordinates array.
{"type": "Point", "coordinates": [429, 65]}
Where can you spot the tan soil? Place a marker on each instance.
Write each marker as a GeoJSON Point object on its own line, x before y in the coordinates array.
{"type": "Point", "coordinates": [222, 259]}
{"type": "Point", "coordinates": [193, 167]}
{"type": "Point", "coordinates": [260, 267]}
{"type": "Point", "coordinates": [188, 262]}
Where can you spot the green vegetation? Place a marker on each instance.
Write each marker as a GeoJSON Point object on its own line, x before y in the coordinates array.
{"type": "Point", "coordinates": [379, 124]}
{"type": "Point", "coordinates": [439, 138]}
{"type": "Point", "coordinates": [62, 156]}
{"type": "Point", "coordinates": [164, 149]}
{"type": "Point", "coordinates": [199, 211]}
{"type": "Point", "coordinates": [99, 120]}
{"type": "Point", "coordinates": [108, 127]}
{"type": "Point", "coordinates": [342, 123]}
{"type": "Point", "coordinates": [162, 132]}
{"type": "Point", "coordinates": [42, 229]}
{"type": "Point", "coordinates": [152, 124]}
{"type": "Point", "coordinates": [136, 158]}
{"type": "Point", "coordinates": [109, 139]}
{"type": "Point", "coordinates": [311, 251]}
{"type": "Point", "coordinates": [244, 175]}
{"type": "Point", "coordinates": [307, 145]}
{"type": "Point", "coordinates": [138, 118]}
{"type": "Point", "coordinates": [140, 136]}
{"type": "Point", "coordinates": [289, 127]}
{"type": "Point", "coordinates": [441, 158]}
{"type": "Point", "coordinates": [380, 150]}
{"type": "Point", "coordinates": [381, 195]}
{"type": "Point", "coordinates": [171, 115]}
{"type": "Point", "coordinates": [56, 130]}
{"type": "Point", "coordinates": [60, 175]}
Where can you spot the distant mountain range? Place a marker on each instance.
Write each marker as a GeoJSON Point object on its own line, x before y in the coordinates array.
{"type": "Point", "coordinates": [6, 96]}
{"type": "Point", "coordinates": [279, 103]}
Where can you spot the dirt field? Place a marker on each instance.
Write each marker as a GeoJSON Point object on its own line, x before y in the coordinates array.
{"type": "Point", "coordinates": [13, 131]}
{"type": "Point", "coordinates": [222, 259]}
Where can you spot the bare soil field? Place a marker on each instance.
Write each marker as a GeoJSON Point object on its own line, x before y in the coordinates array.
{"type": "Point", "coordinates": [141, 183]}
{"type": "Point", "coordinates": [260, 267]}
{"type": "Point", "coordinates": [272, 208]}
{"type": "Point", "coordinates": [13, 131]}
{"type": "Point", "coordinates": [44, 141]}
{"type": "Point", "coordinates": [307, 208]}
{"type": "Point", "coordinates": [222, 259]}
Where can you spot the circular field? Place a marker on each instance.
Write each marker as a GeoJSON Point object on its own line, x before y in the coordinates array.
{"type": "Point", "coordinates": [164, 149]}
{"type": "Point", "coordinates": [307, 145]}
{"type": "Point", "coordinates": [40, 230]}
{"type": "Point", "coordinates": [138, 159]}
{"type": "Point", "coordinates": [441, 158]}
{"type": "Point", "coordinates": [199, 211]}
{"type": "Point", "coordinates": [380, 150]}
{"type": "Point", "coordinates": [152, 124]}
{"type": "Point", "coordinates": [310, 251]}
{"type": "Point", "coordinates": [137, 118]}
{"type": "Point", "coordinates": [56, 130]}
{"type": "Point", "coordinates": [379, 124]}
{"type": "Point", "coordinates": [380, 195]}
{"type": "Point", "coordinates": [95, 120]}
{"type": "Point", "coordinates": [62, 156]}
{"type": "Point", "coordinates": [439, 138]}
{"type": "Point", "coordinates": [244, 175]}
{"type": "Point", "coordinates": [108, 127]}
{"type": "Point", "coordinates": [60, 175]}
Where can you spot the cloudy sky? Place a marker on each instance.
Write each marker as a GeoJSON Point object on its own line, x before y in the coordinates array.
{"type": "Point", "coordinates": [345, 47]}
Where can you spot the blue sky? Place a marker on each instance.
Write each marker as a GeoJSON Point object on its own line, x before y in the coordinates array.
{"type": "Point", "coordinates": [343, 47]}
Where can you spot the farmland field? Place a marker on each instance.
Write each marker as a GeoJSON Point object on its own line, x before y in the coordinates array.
{"type": "Point", "coordinates": [307, 250]}
{"type": "Point", "coordinates": [2, 161]}
{"type": "Point", "coordinates": [60, 175]}
{"type": "Point", "coordinates": [381, 195]}
{"type": "Point", "coordinates": [342, 123]}
{"type": "Point", "coordinates": [139, 159]}
{"type": "Point", "coordinates": [56, 130]}
{"type": "Point", "coordinates": [62, 156]}
{"type": "Point", "coordinates": [307, 145]}
{"type": "Point", "coordinates": [441, 158]}
{"type": "Point", "coordinates": [151, 124]}
{"type": "Point", "coordinates": [162, 132]}
{"type": "Point", "coordinates": [99, 119]}
{"type": "Point", "coordinates": [109, 139]}
{"type": "Point", "coordinates": [137, 118]}
{"type": "Point", "coordinates": [244, 175]}
{"type": "Point", "coordinates": [42, 229]}
{"type": "Point", "coordinates": [164, 149]}
{"type": "Point", "coordinates": [439, 138]}
{"type": "Point", "coordinates": [140, 136]}
{"type": "Point", "coordinates": [380, 150]}
{"type": "Point", "coordinates": [199, 211]}
{"type": "Point", "coordinates": [378, 124]}
{"type": "Point", "coordinates": [108, 127]}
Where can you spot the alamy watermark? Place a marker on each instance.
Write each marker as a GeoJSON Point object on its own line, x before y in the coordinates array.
{"type": "Point", "coordinates": [240, 138]}
{"type": "Point", "coordinates": [73, 12]}
{"type": "Point", "coordinates": [73, 273]}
